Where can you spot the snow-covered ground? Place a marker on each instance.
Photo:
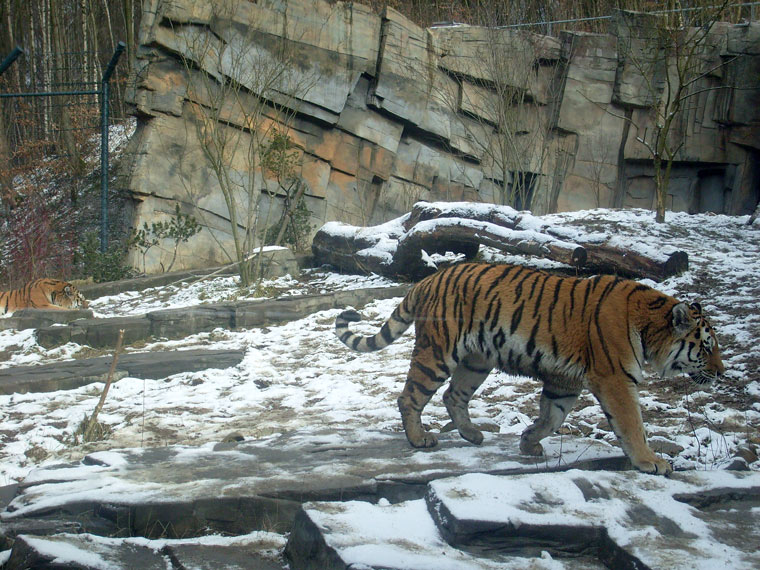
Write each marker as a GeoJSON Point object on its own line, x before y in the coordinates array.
{"type": "Point", "coordinates": [298, 375]}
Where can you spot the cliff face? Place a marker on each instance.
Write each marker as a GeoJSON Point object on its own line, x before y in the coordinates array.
{"type": "Point", "coordinates": [383, 113]}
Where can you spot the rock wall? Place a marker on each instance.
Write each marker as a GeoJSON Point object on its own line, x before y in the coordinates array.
{"type": "Point", "coordinates": [387, 113]}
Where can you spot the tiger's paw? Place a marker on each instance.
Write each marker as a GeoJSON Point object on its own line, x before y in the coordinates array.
{"type": "Point", "coordinates": [425, 440]}
{"type": "Point", "coordinates": [528, 448]}
{"type": "Point", "coordinates": [471, 434]}
{"type": "Point", "coordinates": [655, 466]}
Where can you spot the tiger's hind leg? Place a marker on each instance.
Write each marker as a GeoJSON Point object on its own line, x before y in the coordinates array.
{"type": "Point", "coordinates": [426, 375]}
{"type": "Point", "coordinates": [555, 404]}
{"type": "Point", "coordinates": [465, 380]}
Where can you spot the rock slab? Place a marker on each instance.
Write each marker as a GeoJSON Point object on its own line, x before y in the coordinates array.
{"type": "Point", "coordinates": [366, 499]}
{"type": "Point", "coordinates": [180, 323]}
{"type": "Point", "coordinates": [624, 520]}
{"type": "Point", "coordinates": [238, 487]}
{"type": "Point", "coordinates": [148, 365]}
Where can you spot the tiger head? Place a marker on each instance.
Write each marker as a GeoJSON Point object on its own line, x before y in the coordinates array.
{"type": "Point", "coordinates": [694, 349]}
{"type": "Point", "coordinates": [68, 296]}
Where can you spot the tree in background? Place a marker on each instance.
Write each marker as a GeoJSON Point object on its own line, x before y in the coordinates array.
{"type": "Point", "coordinates": [668, 54]}
{"type": "Point", "coordinates": [45, 142]}
{"type": "Point", "coordinates": [501, 103]}
{"type": "Point", "coordinates": [66, 44]}
{"type": "Point", "coordinates": [241, 102]}
{"type": "Point", "coordinates": [280, 160]}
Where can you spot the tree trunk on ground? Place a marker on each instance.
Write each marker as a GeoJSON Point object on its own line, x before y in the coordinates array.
{"type": "Point", "coordinates": [398, 254]}
{"type": "Point", "coordinates": [465, 236]}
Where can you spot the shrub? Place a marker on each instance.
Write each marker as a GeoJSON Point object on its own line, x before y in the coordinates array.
{"type": "Point", "coordinates": [179, 228]}
{"type": "Point", "coordinates": [101, 266]}
{"type": "Point", "coordinates": [37, 240]}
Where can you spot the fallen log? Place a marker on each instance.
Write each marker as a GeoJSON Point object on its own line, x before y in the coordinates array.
{"type": "Point", "coordinates": [468, 235]}
{"type": "Point", "coordinates": [357, 250]}
{"type": "Point", "coordinates": [500, 215]}
{"type": "Point", "coordinates": [397, 249]}
{"type": "Point", "coordinates": [626, 263]}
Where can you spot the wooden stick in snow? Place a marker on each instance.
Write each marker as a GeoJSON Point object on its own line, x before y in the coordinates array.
{"type": "Point", "coordinates": [94, 418]}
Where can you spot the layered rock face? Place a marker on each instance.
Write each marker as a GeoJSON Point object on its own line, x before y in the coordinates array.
{"type": "Point", "coordinates": [383, 113]}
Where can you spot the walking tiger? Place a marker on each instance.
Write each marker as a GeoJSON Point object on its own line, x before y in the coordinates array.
{"type": "Point", "coordinates": [568, 332]}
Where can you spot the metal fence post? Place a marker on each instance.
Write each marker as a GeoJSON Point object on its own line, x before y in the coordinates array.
{"type": "Point", "coordinates": [17, 51]}
{"type": "Point", "coordinates": [104, 93]}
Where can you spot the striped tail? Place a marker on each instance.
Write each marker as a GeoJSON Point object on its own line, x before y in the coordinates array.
{"type": "Point", "coordinates": [392, 329]}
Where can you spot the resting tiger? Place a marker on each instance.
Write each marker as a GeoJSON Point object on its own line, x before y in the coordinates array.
{"type": "Point", "coordinates": [42, 294]}
{"type": "Point", "coordinates": [568, 332]}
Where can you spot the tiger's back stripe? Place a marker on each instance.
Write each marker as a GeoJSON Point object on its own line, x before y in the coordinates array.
{"type": "Point", "coordinates": [540, 296]}
{"type": "Point", "coordinates": [602, 340]}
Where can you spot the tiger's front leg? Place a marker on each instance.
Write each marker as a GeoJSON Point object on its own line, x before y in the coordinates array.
{"type": "Point", "coordinates": [619, 399]}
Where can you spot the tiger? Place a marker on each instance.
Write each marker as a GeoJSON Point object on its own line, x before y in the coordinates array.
{"type": "Point", "coordinates": [568, 332]}
{"type": "Point", "coordinates": [42, 294]}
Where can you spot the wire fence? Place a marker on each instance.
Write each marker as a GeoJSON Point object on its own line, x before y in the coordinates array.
{"type": "Point", "coordinates": [743, 12]}
{"type": "Point", "coordinates": [54, 134]}
{"type": "Point", "coordinates": [56, 117]}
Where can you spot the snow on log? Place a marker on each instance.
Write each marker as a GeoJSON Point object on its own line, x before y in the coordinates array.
{"type": "Point", "coordinates": [436, 236]}
{"type": "Point", "coordinates": [626, 263]}
{"type": "Point", "coordinates": [401, 248]}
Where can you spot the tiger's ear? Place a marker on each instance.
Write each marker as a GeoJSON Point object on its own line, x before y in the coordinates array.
{"type": "Point", "coordinates": [67, 290]}
{"type": "Point", "coordinates": [697, 307]}
{"type": "Point", "coordinates": [682, 319]}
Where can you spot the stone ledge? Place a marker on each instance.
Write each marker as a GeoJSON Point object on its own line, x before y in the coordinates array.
{"type": "Point", "coordinates": [95, 290]}
{"type": "Point", "coordinates": [38, 552]}
{"type": "Point", "coordinates": [281, 262]}
{"type": "Point", "coordinates": [180, 323]}
{"type": "Point", "coordinates": [351, 497]}
{"type": "Point", "coordinates": [237, 488]}
{"type": "Point", "coordinates": [625, 520]}
{"type": "Point", "coordinates": [36, 318]}
{"type": "Point", "coordinates": [148, 365]}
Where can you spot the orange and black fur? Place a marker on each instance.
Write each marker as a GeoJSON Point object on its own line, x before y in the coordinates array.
{"type": "Point", "coordinates": [568, 332]}
{"type": "Point", "coordinates": [42, 294]}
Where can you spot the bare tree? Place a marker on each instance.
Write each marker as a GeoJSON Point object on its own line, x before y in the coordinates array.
{"type": "Point", "coordinates": [502, 104]}
{"type": "Point", "coordinates": [241, 94]}
{"type": "Point", "coordinates": [668, 59]}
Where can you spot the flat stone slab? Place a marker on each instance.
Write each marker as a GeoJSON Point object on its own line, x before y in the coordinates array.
{"type": "Point", "coordinates": [228, 557]}
{"type": "Point", "coordinates": [696, 519]}
{"type": "Point", "coordinates": [36, 318]}
{"type": "Point", "coordinates": [236, 488]}
{"type": "Point", "coordinates": [357, 534]}
{"type": "Point", "coordinates": [182, 322]}
{"type": "Point", "coordinates": [81, 551]}
{"type": "Point", "coordinates": [65, 550]}
{"type": "Point", "coordinates": [147, 365]}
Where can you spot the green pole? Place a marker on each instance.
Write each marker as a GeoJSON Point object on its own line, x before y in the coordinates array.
{"type": "Point", "coordinates": [104, 92]}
